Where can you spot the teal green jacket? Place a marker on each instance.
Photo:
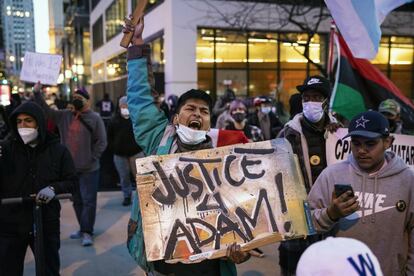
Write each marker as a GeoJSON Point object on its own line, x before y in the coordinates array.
{"type": "Point", "coordinates": [154, 135]}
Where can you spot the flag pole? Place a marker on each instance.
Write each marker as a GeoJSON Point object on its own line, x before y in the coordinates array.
{"type": "Point", "coordinates": [334, 37]}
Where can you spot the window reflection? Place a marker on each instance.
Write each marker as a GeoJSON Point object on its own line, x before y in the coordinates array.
{"type": "Point", "coordinates": [116, 67]}
{"type": "Point", "coordinates": [114, 17]}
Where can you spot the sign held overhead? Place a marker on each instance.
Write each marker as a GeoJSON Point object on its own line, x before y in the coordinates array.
{"type": "Point", "coordinates": [41, 67]}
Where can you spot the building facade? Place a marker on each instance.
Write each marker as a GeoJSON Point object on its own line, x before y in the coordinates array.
{"type": "Point", "coordinates": [18, 32]}
{"type": "Point", "coordinates": [213, 44]}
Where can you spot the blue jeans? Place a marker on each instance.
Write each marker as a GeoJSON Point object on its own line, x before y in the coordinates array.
{"type": "Point", "coordinates": [124, 172]}
{"type": "Point", "coordinates": [84, 202]}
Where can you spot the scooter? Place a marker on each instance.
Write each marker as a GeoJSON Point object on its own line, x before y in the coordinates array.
{"type": "Point", "coordinates": [37, 226]}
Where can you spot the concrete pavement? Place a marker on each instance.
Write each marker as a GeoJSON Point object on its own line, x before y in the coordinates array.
{"type": "Point", "coordinates": [109, 255]}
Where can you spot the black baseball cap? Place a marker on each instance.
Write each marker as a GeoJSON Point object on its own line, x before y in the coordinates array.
{"type": "Point", "coordinates": [318, 83]}
{"type": "Point", "coordinates": [369, 124]}
{"type": "Point", "coordinates": [195, 94]}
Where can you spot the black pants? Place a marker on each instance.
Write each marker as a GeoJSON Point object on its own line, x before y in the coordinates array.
{"type": "Point", "coordinates": [291, 251]}
{"type": "Point", "coordinates": [13, 250]}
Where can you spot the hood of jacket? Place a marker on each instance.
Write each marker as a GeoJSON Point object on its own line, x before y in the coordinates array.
{"type": "Point", "coordinates": [34, 110]}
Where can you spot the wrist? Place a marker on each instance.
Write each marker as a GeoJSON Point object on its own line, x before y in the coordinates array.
{"type": "Point", "coordinates": [331, 214]}
{"type": "Point", "coordinates": [52, 188]}
{"type": "Point", "coordinates": [137, 42]}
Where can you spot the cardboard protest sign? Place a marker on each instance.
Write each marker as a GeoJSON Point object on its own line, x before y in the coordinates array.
{"type": "Point", "coordinates": [194, 204]}
{"type": "Point", "coordinates": [41, 67]}
{"type": "Point", "coordinates": [338, 149]}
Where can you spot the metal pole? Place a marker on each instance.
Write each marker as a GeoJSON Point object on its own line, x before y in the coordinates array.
{"type": "Point", "coordinates": [38, 240]}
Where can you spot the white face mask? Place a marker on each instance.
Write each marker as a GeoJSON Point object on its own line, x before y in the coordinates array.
{"type": "Point", "coordinates": [125, 112]}
{"type": "Point", "coordinates": [28, 134]}
{"type": "Point", "coordinates": [313, 111]}
{"type": "Point", "coordinates": [190, 136]}
{"type": "Point", "coordinates": [266, 109]}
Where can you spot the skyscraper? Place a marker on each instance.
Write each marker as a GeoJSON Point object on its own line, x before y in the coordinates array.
{"type": "Point", "coordinates": [18, 32]}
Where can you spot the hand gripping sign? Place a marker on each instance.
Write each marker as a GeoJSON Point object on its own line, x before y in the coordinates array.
{"type": "Point", "coordinates": [194, 204]}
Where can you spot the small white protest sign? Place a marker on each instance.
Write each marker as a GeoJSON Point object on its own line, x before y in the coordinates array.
{"type": "Point", "coordinates": [41, 67]}
{"type": "Point", "coordinates": [338, 149]}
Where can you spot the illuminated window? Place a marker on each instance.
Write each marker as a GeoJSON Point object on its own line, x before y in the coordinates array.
{"type": "Point", "coordinates": [292, 49]}
{"type": "Point", "coordinates": [116, 67]}
{"type": "Point", "coordinates": [114, 17]}
{"type": "Point", "coordinates": [99, 73]}
{"type": "Point", "coordinates": [401, 60]}
{"type": "Point", "coordinates": [401, 50]}
{"type": "Point", "coordinates": [205, 48]}
{"type": "Point", "coordinates": [250, 61]}
{"type": "Point", "coordinates": [382, 56]}
{"type": "Point", "coordinates": [231, 49]}
{"type": "Point", "coordinates": [157, 54]}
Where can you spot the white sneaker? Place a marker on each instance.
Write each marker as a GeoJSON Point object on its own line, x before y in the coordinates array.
{"type": "Point", "coordinates": [87, 239]}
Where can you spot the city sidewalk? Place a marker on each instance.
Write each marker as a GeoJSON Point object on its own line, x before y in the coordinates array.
{"type": "Point", "coordinates": [109, 255]}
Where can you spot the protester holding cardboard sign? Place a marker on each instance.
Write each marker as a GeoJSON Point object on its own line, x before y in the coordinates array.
{"type": "Point", "coordinates": [155, 136]}
{"type": "Point", "coordinates": [378, 206]}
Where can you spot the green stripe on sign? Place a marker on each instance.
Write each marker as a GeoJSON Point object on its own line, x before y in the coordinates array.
{"type": "Point", "coordinates": [348, 102]}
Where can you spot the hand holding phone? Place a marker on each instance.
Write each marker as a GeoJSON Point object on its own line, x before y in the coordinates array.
{"type": "Point", "coordinates": [342, 205]}
{"type": "Point", "coordinates": [343, 188]}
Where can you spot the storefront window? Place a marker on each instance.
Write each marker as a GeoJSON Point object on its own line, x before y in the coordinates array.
{"type": "Point", "coordinates": [231, 49]}
{"type": "Point", "coordinates": [116, 67]}
{"type": "Point", "coordinates": [99, 73]}
{"type": "Point", "coordinates": [114, 17]}
{"type": "Point", "coordinates": [205, 48]}
{"type": "Point", "coordinates": [401, 60]}
{"type": "Point", "coordinates": [382, 56]}
{"type": "Point", "coordinates": [157, 54]}
{"type": "Point", "coordinates": [261, 63]}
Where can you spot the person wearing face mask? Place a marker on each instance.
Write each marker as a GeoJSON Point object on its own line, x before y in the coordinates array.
{"type": "Point", "coordinates": [122, 143]}
{"type": "Point", "coordinates": [156, 136]}
{"type": "Point", "coordinates": [307, 132]}
{"type": "Point", "coordinates": [391, 109]}
{"type": "Point", "coordinates": [83, 132]}
{"type": "Point", "coordinates": [265, 118]}
{"type": "Point", "coordinates": [238, 112]}
{"type": "Point", "coordinates": [32, 161]}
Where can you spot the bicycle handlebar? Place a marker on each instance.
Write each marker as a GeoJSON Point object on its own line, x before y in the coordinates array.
{"type": "Point", "coordinates": [14, 200]}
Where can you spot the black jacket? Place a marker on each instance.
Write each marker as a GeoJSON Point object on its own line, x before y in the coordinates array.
{"type": "Point", "coordinates": [121, 137]}
{"type": "Point", "coordinates": [275, 124]}
{"type": "Point", "coordinates": [25, 170]}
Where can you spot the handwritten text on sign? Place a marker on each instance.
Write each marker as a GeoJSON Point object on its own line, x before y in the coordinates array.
{"type": "Point", "coordinates": [41, 67]}
{"type": "Point", "coordinates": [197, 203]}
{"type": "Point", "coordinates": [338, 149]}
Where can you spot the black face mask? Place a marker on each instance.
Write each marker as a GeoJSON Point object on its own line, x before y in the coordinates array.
{"type": "Point", "coordinates": [392, 124]}
{"type": "Point", "coordinates": [78, 104]}
{"type": "Point", "coordinates": [239, 117]}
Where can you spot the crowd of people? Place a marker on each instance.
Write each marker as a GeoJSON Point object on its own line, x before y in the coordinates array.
{"type": "Point", "coordinates": [48, 149]}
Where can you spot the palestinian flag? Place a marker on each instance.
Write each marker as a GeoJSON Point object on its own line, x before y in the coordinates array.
{"type": "Point", "coordinates": [360, 86]}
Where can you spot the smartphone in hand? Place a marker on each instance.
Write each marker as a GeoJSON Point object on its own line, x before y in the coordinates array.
{"type": "Point", "coordinates": [342, 188]}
